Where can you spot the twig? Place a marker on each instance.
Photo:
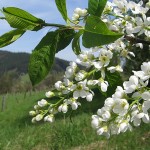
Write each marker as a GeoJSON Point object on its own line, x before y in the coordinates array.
{"type": "Point", "coordinates": [136, 40]}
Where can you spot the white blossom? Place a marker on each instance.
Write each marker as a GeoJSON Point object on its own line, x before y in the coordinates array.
{"type": "Point", "coordinates": [49, 94]}
{"type": "Point", "coordinates": [42, 103]}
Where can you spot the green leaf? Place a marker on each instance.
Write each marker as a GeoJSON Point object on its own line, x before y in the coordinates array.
{"type": "Point", "coordinates": [76, 42]}
{"type": "Point", "coordinates": [96, 7]}
{"type": "Point", "coordinates": [18, 18]}
{"type": "Point", "coordinates": [64, 38]}
{"type": "Point", "coordinates": [10, 37]}
{"type": "Point", "coordinates": [61, 5]}
{"type": "Point", "coordinates": [97, 33]}
{"type": "Point", "coordinates": [42, 57]}
{"type": "Point", "coordinates": [114, 80]}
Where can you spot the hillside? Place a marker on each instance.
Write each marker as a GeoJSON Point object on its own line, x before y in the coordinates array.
{"type": "Point", "coordinates": [19, 62]}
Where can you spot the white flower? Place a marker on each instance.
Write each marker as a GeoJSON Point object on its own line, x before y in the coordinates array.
{"type": "Point", "coordinates": [120, 106]}
{"type": "Point", "coordinates": [92, 82]}
{"type": "Point", "coordinates": [49, 118]}
{"type": "Point", "coordinates": [138, 115]}
{"type": "Point", "coordinates": [117, 68]}
{"type": "Point", "coordinates": [33, 120]}
{"type": "Point", "coordinates": [80, 12]}
{"type": "Point", "coordinates": [104, 131]}
{"type": "Point", "coordinates": [145, 67]}
{"type": "Point", "coordinates": [80, 75]}
{"type": "Point", "coordinates": [103, 84]}
{"type": "Point", "coordinates": [146, 106]}
{"type": "Point", "coordinates": [104, 113]}
{"type": "Point", "coordinates": [77, 10]}
{"type": "Point", "coordinates": [146, 95]}
{"type": "Point", "coordinates": [139, 45]}
{"type": "Point", "coordinates": [137, 8]}
{"type": "Point", "coordinates": [83, 12]}
{"type": "Point", "coordinates": [39, 117]}
{"type": "Point", "coordinates": [85, 58]}
{"type": "Point", "coordinates": [80, 89]}
{"type": "Point", "coordinates": [95, 121]}
{"type": "Point", "coordinates": [142, 23]}
{"type": "Point", "coordinates": [109, 103]}
{"type": "Point", "coordinates": [144, 74]}
{"type": "Point", "coordinates": [42, 103]}
{"type": "Point", "coordinates": [75, 17]}
{"type": "Point", "coordinates": [119, 93]}
{"type": "Point", "coordinates": [89, 96]}
{"type": "Point", "coordinates": [74, 105]}
{"type": "Point", "coordinates": [70, 70]}
{"type": "Point", "coordinates": [59, 85]}
{"type": "Point", "coordinates": [63, 108]}
{"type": "Point", "coordinates": [104, 59]}
{"type": "Point", "coordinates": [124, 126]}
{"type": "Point", "coordinates": [131, 85]}
{"type": "Point", "coordinates": [49, 94]}
{"type": "Point", "coordinates": [122, 5]}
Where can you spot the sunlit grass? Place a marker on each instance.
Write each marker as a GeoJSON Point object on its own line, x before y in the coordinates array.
{"type": "Point", "coordinates": [72, 133]}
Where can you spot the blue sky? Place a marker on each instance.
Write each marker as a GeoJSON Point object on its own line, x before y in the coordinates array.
{"type": "Point", "coordinates": [46, 10]}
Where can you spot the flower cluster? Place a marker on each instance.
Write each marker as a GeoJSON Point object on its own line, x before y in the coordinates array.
{"type": "Point", "coordinates": [78, 14]}
{"type": "Point", "coordinates": [127, 107]}
{"type": "Point", "coordinates": [77, 84]}
{"type": "Point", "coordinates": [130, 104]}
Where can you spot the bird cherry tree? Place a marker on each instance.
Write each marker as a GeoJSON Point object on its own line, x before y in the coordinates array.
{"type": "Point", "coordinates": [108, 30]}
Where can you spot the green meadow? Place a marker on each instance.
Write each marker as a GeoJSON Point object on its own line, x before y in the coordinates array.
{"type": "Point", "coordinates": [70, 132]}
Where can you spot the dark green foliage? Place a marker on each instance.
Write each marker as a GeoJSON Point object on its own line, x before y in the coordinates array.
{"type": "Point", "coordinates": [42, 57]}
{"type": "Point", "coordinates": [96, 7]}
{"type": "Point", "coordinates": [97, 33]}
{"type": "Point", "coordinates": [64, 38]}
{"type": "Point", "coordinates": [114, 80]}
{"type": "Point", "coordinates": [76, 42]}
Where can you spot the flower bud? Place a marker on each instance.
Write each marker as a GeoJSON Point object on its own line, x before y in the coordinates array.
{"type": "Point", "coordinates": [49, 94]}
{"type": "Point", "coordinates": [74, 105]}
{"type": "Point", "coordinates": [64, 108]}
{"type": "Point", "coordinates": [83, 12]}
{"type": "Point", "coordinates": [42, 103]}
{"type": "Point", "coordinates": [39, 117]}
{"type": "Point", "coordinates": [77, 11]}
{"type": "Point", "coordinates": [89, 97]}
{"type": "Point", "coordinates": [75, 17]}
{"type": "Point", "coordinates": [32, 113]}
{"type": "Point", "coordinates": [36, 107]}
{"type": "Point", "coordinates": [33, 120]}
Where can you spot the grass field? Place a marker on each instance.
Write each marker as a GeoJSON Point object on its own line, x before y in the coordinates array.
{"type": "Point", "coordinates": [18, 133]}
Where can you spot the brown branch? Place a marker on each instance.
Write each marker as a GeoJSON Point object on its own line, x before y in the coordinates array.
{"type": "Point", "coordinates": [136, 40]}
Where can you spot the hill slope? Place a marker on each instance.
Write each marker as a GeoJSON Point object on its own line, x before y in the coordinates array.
{"type": "Point", "coordinates": [19, 62]}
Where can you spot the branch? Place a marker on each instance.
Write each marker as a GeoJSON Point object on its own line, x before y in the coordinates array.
{"type": "Point", "coordinates": [53, 25]}
{"type": "Point", "coordinates": [136, 40]}
{"type": "Point", "coordinates": [2, 18]}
